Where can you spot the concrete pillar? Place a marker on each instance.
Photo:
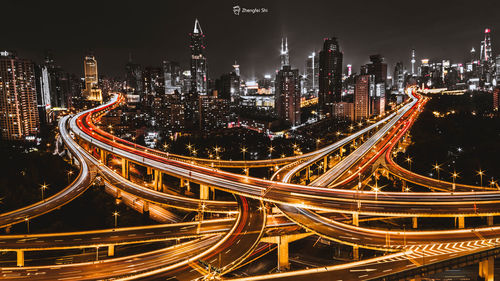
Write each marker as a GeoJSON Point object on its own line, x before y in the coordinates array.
{"type": "Point", "coordinates": [212, 189]}
{"type": "Point", "coordinates": [20, 258]}
{"type": "Point", "coordinates": [308, 172]}
{"type": "Point", "coordinates": [283, 263]}
{"type": "Point", "coordinates": [487, 269]}
{"type": "Point", "coordinates": [403, 185]}
{"type": "Point", "coordinates": [204, 192]}
{"type": "Point", "coordinates": [461, 222]}
{"type": "Point", "coordinates": [325, 164]}
{"type": "Point", "coordinates": [111, 250]}
{"type": "Point", "coordinates": [355, 219]}
{"type": "Point", "coordinates": [149, 171]}
{"type": "Point", "coordinates": [182, 183]}
{"type": "Point", "coordinates": [158, 180]}
{"type": "Point", "coordinates": [104, 157]}
{"type": "Point", "coordinates": [414, 222]}
{"type": "Point", "coordinates": [489, 220]}
{"type": "Point", "coordinates": [355, 249]}
{"type": "Point", "coordinates": [125, 168]}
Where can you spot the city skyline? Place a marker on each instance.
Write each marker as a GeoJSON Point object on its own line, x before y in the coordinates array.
{"type": "Point", "coordinates": [251, 39]}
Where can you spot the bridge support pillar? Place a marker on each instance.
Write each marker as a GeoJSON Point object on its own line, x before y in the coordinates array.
{"type": "Point", "coordinates": [212, 190]}
{"type": "Point", "coordinates": [158, 181]}
{"type": "Point", "coordinates": [414, 221]}
{"type": "Point", "coordinates": [145, 207]}
{"type": "Point", "coordinates": [283, 262]}
{"type": "Point", "coordinates": [125, 168]}
{"type": "Point", "coordinates": [461, 222]}
{"type": "Point", "coordinates": [489, 220]}
{"type": "Point", "coordinates": [111, 250]}
{"type": "Point", "coordinates": [403, 185]}
{"type": "Point", "coordinates": [149, 171]}
{"type": "Point", "coordinates": [308, 173]}
{"type": "Point", "coordinates": [355, 249]}
{"type": "Point", "coordinates": [325, 164]}
{"type": "Point", "coordinates": [7, 229]}
{"type": "Point", "coordinates": [20, 258]}
{"type": "Point", "coordinates": [204, 192]}
{"type": "Point", "coordinates": [487, 269]}
{"type": "Point", "coordinates": [104, 157]}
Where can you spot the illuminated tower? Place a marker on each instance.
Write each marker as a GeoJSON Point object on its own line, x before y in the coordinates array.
{"type": "Point", "coordinates": [284, 57]}
{"type": "Point", "coordinates": [486, 55]}
{"type": "Point", "coordinates": [18, 103]}
{"type": "Point", "coordinates": [198, 61]}
{"type": "Point", "coordinates": [92, 91]}
{"type": "Point", "coordinates": [413, 61]}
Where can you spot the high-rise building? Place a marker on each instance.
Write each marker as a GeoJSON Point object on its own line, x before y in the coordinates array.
{"type": "Point", "coordinates": [92, 91]}
{"type": "Point", "coordinates": [288, 95]}
{"type": "Point", "coordinates": [330, 76]}
{"type": "Point", "coordinates": [213, 112]}
{"type": "Point", "coordinates": [18, 102]}
{"type": "Point", "coordinates": [312, 74]}
{"type": "Point", "coordinates": [199, 68]}
{"type": "Point", "coordinates": [133, 78]}
{"type": "Point", "coordinates": [486, 54]}
{"type": "Point", "coordinates": [172, 76]}
{"type": "Point", "coordinates": [378, 68]}
{"type": "Point", "coordinates": [399, 76]}
{"type": "Point", "coordinates": [362, 96]}
{"type": "Point", "coordinates": [228, 86]}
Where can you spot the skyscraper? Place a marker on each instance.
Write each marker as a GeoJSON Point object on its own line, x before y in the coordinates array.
{"type": "Point", "coordinates": [199, 69]}
{"type": "Point", "coordinates": [330, 76]}
{"type": "Point", "coordinates": [486, 55]}
{"type": "Point", "coordinates": [362, 96]}
{"type": "Point", "coordinates": [172, 76]}
{"type": "Point", "coordinates": [312, 70]}
{"type": "Point", "coordinates": [133, 78]}
{"type": "Point", "coordinates": [284, 56]}
{"type": "Point", "coordinates": [399, 76]}
{"type": "Point", "coordinates": [18, 104]}
{"type": "Point", "coordinates": [288, 95]}
{"type": "Point", "coordinates": [92, 91]}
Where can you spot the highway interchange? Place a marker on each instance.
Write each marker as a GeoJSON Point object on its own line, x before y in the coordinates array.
{"type": "Point", "coordinates": [213, 247]}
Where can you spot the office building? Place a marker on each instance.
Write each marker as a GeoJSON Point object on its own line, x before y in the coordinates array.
{"type": "Point", "coordinates": [362, 96]}
{"type": "Point", "coordinates": [199, 68]}
{"type": "Point", "coordinates": [91, 91]}
{"type": "Point", "coordinates": [330, 76]}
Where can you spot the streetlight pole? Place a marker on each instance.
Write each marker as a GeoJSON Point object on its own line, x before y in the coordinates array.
{"type": "Point", "coordinates": [27, 223]}
{"type": "Point", "coordinates": [42, 188]}
{"type": "Point", "coordinates": [116, 214]}
{"type": "Point", "coordinates": [408, 159]}
{"type": "Point", "coordinates": [481, 173]}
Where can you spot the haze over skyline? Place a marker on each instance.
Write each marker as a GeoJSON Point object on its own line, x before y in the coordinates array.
{"type": "Point", "coordinates": [159, 31]}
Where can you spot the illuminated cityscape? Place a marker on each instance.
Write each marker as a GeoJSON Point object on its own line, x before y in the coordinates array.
{"type": "Point", "coordinates": [256, 140]}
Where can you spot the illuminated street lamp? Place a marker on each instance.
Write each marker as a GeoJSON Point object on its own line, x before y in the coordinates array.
{"type": "Point", "coordinates": [243, 151]}
{"type": "Point", "coordinates": [27, 220]}
{"type": "Point", "coordinates": [492, 182]}
{"type": "Point", "coordinates": [165, 146]}
{"type": "Point", "coordinates": [437, 168]}
{"type": "Point", "coordinates": [271, 149]}
{"type": "Point", "coordinates": [454, 175]}
{"type": "Point", "coordinates": [116, 214]}
{"type": "Point", "coordinates": [70, 173]}
{"type": "Point", "coordinates": [408, 160]}
{"type": "Point", "coordinates": [43, 187]}
{"type": "Point", "coordinates": [318, 141]}
{"type": "Point", "coordinates": [481, 174]}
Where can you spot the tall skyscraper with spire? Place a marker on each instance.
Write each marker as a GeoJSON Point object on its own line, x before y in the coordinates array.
{"type": "Point", "coordinates": [199, 69]}
{"type": "Point", "coordinates": [284, 56]}
{"type": "Point", "coordinates": [486, 55]}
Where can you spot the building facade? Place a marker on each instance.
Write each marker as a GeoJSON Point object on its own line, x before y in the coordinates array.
{"type": "Point", "coordinates": [330, 76]}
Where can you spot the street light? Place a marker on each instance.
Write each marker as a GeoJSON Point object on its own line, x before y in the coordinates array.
{"type": "Point", "coordinates": [27, 220]}
{"type": "Point", "coordinates": [271, 149]}
{"type": "Point", "coordinates": [408, 159]}
{"type": "Point", "coordinates": [318, 141]}
{"type": "Point", "coordinates": [243, 150]}
{"type": "Point", "coordinates": [454, 175]}
{"type": "Point", "coordinates": [116, 214]}
{"type": "Point", "coordinates": [43, 187]}
{"type": "Point", "coordinates": [70, 173]}
{"type": "Point", "coordinates": [437, 168]}
{"type": "Point", "coordinates": [481, 174]}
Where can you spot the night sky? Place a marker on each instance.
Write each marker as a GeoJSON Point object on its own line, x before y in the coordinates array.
{"type": "Point", "coordinates": [156, 30]}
